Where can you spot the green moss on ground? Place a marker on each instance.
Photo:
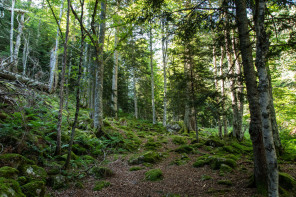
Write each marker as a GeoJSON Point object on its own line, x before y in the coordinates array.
{"type": "Point", "coordinates": [101, 172]}
{"type": "Point", "coordinates": [57, 181]}
{"type": "Point", "coordinates": [149, 157]}
{"type": "Point", "coordinates": [10, 188]}
{"type": "Point", "coordinates": [14, 160]}
{"type": "Point", "coordinates": [206, 177]}
{"type": "Point", "coordinates": [179, 140]}
{"type": "Point", "coordinates": [182, 160]}
{"type": "Point", "coordinates": [34, 189]}
{"type": "Point", "coordinates": [152, 145]}
{"type": "Point", "coordinates": [154, 175]}
{"type": "Point", "coordinates": [8, 172]}
{"type": "Point", "coordinates": [286, 181]}
{"type": "Point", "coordinates": [99, 185]}
{"type": "Point", "coordinates": [184, 149]}
{"type": "Point", "coordinates": [33, 172]}
{"type": "Point", "coordinates": [225, 182]}
{"type": "Point", "coordinates": [136, 168]}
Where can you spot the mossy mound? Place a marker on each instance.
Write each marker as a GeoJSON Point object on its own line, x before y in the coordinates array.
{"type": "Point", "coordinates": [136, 168]}
{"type": "Point", "coordinates": [8, 172]}
{"type": "Point", "coordinates": [57, 181]}
{"type": "Point", "coordinates": [225, 169]}
{"type": "Point", "coordinates": [10, 188]}
{"type": "Point", "coordinates": [154, 175]}
{"type": "Point", "coordinates": [22, 180]}
{"type": "Point", "coordinates": [206, 177]}
{"type": "Point", "coordinates": [101, 172]}
{"type": "Point", "coordinates": [99, 185]}
{"type": "Point", "coordinates": [286, 181]}
{"type": "Point", "coordinates": [231, 149]}
{"type": "Point", "coordinates": [149, 157]}
{"type": "Point", "coordinates": [14, 160]}
{"type": "Point", "coordinates": [152, 145]}
{"type": "Point", "coordinates": [201, 161]}
{"type": "Point", "coordinates": [179, 140]}
{"type": "Point", "coordinates": [214, 161]}
{"type": "Point", "coordinates": [214, 142]}
{"type": "Point", "coordinates": [181, 161]}
{"type": "Point", "coordinates": [34, 189]}
{"type": "Point", "coordinates": [79, 150]}
{"type": "Point", "coordinates": [34, 172]}
{"type": "Point", "coordinates": [184, 149]}
{"type": "Point", "coordinates": [225, 182]}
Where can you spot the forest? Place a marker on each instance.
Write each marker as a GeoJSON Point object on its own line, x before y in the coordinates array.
{"type": "Point", "coordinates": [163, 98]}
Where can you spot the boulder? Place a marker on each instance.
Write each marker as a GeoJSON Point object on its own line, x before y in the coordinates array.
{"type": "Point", "coordinates": [174, 127]}
{"type": "Point", "coordinates": [10, 188]}
{"type": "Point", "coordinates": [34, 189]}
{"type": "Point", "coordinates": [8, 172]}
{"type": "Point", "coordinates": [34, 172]}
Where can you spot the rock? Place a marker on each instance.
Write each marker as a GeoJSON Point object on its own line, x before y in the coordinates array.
{"type": "Point", "coordinates": [34, 172]}
{"type": "Point", "coordinates": [8, 172]}
{"type": "Point", "coordinates": [22, 180]}
{"type": "Point", "coordinates": [184, 149]}
{"type": "Point", "coordinates": [150, 157]}
{"type": "Point", "coordinates": [154, 175]}
{"type": "Point", "coordinates": [216, 162]}
{"type": "Point", "coordinates": [34, 189]}
{"type": "Point", "coordinates": [286, 181]}
{"type": "Point", "coordinates": [199, 163]}
{"type": "Point", "coordinates": [57, 181]}
{"type": "Point", "coordinates": [101, 172]}
{"type": "Point", "coordinates": [173, 127]}
{"type": "Point", "coordinates": [10, 188]}
{"type": "Point", "coordinates": [224, 168]}
{"type": "Point", "coordinates": [100, 185]}
{"type": "Point", "coordinates": [214, 143]}
{"type": "Point", "coordinates": [14, 160]}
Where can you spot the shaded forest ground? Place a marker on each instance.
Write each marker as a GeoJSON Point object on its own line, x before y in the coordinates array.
{"type": "Point", "coordinates": [118, 162]}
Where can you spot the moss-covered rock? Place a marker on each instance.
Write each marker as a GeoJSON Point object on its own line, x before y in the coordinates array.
{"type": "Point", "coordinates": [216, 162]}
{"type": "Point", "coordinates": [152, 145]}
{"type": "Point", "coordinates": [214, 142]}
{"type": "Point", "coordinates": [34, 189]}
{"type": "Point", "coordinates": [149, 157]}
{"type": "Point", "coordinates": [182, 160]}
{"type": "Point", "coordinates": [205, 177]}
{"type": "Point", "coordinates": [225, 182]}
{"type": "Point", "coordinates": [184, 149]}
{"type": "Point", "coordinates": [99, 185]}
{"type": "Point", "coordinates": [10, 188]}
{"type": "Point", "coordinates": [179, 140]}
{"type": "Point", "coordinates": [286, 181]}
{"type": "Point", "coordinates": [73, 156]}
{"type": "Point", "coordinates": [101, 172]}
{"type": "Point", "coordinates": [231, 149]}
{"type": "Point", "coordinates": [53, 171]}
{"type": "Point", "coordinates": [200, 163]}
{"type": "Point", "coordinates": [79, 185]}
{"type": "Point", "coordinates": [14, 160]}
{"type": "Point", "coordinates": [57, 181]}
{"type": "Point", "coordinates": [8, 172]}
{"type": "Point", "coordinates": [22, 180]}
{"type": "Point", "coordinates": [154, 175]}
{"type": "Point", "coordinates": [136, 168]}
{"type": "Point", "coordinates": [79, 150]}
{"type": "Point", "coordinates": [34, 172]}
{"type": "Point", "coordinates": [224, 168]}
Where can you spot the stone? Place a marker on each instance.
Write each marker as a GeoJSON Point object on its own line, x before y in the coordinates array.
{"type": "Point", "coordinates": [34, 189]}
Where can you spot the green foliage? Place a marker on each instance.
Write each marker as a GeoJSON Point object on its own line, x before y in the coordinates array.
{"type": "Point", "coordinates": [135, 168]}
{"type": "Point", "coordinates": [34, 188]}
{"type": "Point", "coordinates": [149, 157]}
{"type": "Point", "coordinates": [206, 177]}
{"type": "Point", "coordinates": [10, 188]}
{"type": "Point", "coordinates": [184, 149]}
{"type": "Point", "coordinates": [182, 160]}
{"type": "Point", "coordinates": [99, 185]}
{"type": "Point", "coordinates": [101, 172]}
{"type": "Point", "coordinates": [179, 140]}
{"type": "Point", "coordinates": [8, 172]}
{"type": "Point", "coordinates": [225, 182]}
{"type": "Point", "coordinates": [154, 175]}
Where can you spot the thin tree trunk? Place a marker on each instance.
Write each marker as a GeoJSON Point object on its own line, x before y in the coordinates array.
{"type": "Point", "coordinates": [135, 93]}
{"type": "Point", "coordinates": [68, 81]}
{"type": "Point", "coordinates": [18, 42]}
{"type": "Point", "coordinates": [217, 88]}
{"type": "Point", "coordinates": [164, 60]}
{"type": "Point", "coordinates": [54, 56]}
{"type": "Point", "coordinates": [114, 96]}
{"type": "Point", "coordinates": [60, 117]}
{"type": "Point", "coordinates": [262, 48]}
{"type": "Point", "coordinates": [77, 93]}
{"type": "Point", "coordinates": [25, 55]}
{"type": "Point", "coordinates": [152, 77]}
{"type": "Point", "coordinates": [98, 117]}
{"type": "Point", "coordinates": [255, 130]}
{"type": "Point", "coordinates": [222, 84]}
{"type": "Point", "coordinates": [39, 23]}
{"type": "Point", "coordinates": [11, 30]}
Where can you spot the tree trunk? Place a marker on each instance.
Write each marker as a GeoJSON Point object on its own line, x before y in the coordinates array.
{"type": "Point", "coordinates": [114, 96]}
{"type": "Point", "coordinates": [262, 48]}
{"type": "Point", "coordinates": [60, 117]}
{"type": "Point", "coordinates": [255, 130]}
{"type": "Point", "coordinates": [11, 31]}
{"type": "Point", "coordinates": [152, 77]}
{"type": "Point", "coordinates": [18, 42]}
{"type": "Point", "coordinates": [54, 56]}
{"type": "Point", "coordinates": [164, 43]}
{"type": "Point", "coordinates": [222, 86]}
{"type": "Point", "coordinates": [135, 93]}
{"type": "Point", "coordinates": [25, 55]}
{"type": "Point", "coordinates": [98, 117]}
{"type": "Point", "coordinates": [217, 88]}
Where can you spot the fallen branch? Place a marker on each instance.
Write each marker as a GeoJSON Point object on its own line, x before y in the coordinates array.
{"type": "Point", "coordinates": [27, 81]}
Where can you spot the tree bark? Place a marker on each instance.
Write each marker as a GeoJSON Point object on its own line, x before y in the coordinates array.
{"type": "Point", "coordinates": [135, 93]}
{"type": "Point", "coordinates": [98, 117]}
{"type": "Point", "coordinates": [25, 55]}
{"type": "Point", "coordinates": [152, 77]}
{"type": "Point", "coordinates": [54, 55]}
{"type": "Point", "coordinates": [114, 96]}
{"type": "Point", "coordinates": [262, 48]}
{"type": "Point", "coordinates": [60, 117]}
{"type": "Point", "coordinates": [164, 43]}
{"type": "Point", "coordinates": [18, 42]}
{"type": "Point", "coordinates": [11, 30]}
{"type": "Point", "coordinates": [255, 130]}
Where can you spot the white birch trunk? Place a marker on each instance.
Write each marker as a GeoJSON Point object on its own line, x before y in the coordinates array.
{"type": "Point", "coordinates": [114, 96]}
{"type": "Point", "coordinates": [152, 78]}
{"type": "Point", "coordinates": [11, 30]}
{"type": "Point", "coordinates": [18, 41]}
{"type": "Point", "coordinates": [54, 56]}
{"type": "Point", "coordinates": [25, 55]}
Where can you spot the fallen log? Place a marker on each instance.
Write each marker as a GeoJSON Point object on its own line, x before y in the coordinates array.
{"type": "Point", "coordinates": [25, 80]}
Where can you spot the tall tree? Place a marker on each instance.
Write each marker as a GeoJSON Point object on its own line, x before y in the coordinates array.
{"type": "Point", "coordinates": [164, 47]}
{"type": "Point", "coordinates": [11, 31]}
{"type": "Point", "coordinates": [115, 77]}
{"type": "Point", "coordinates": [152, 75]}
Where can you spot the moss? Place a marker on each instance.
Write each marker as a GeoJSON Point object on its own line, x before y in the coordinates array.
{"type": "Point", "coordinates": [215, 162]}
{"type": "Point", "coordinates": [154, 175]}
{"type": "Point", "coordinates": [241, 147]}
{"type": "Point", "coordinates": [99, 185]}
{"type": "Point", "coordinates": [22, 180]}
{"type": "Point", "coordinates": [286, 181]}
{"type": "Point", "coordinates": [214, 143]}
{"type": "Point", "coordinates": [225, 182]}
{"type": "Point", "coordinates": [151, 145]}
{"type": "Point", "coordinates": [34, 188]}
{"type": "Point", "coordinates": [181, 161]}
{"type": "Point", "coordinates": [79, 150]}
{"type": "Point", "coordinates": [34, 172]}
{"type": "Point", "coordinates": [14, 160]}
{"type": "Point", "coordinates": [149, 157]}
{"type": "Point", "coordinates": [8, 172]}
{"type": "Point", "coordinates": [10, 188]}
{"type": "Point", "coordinates": [205, 177]}
{"type": "Point", "coordinates": [199, 163]}
{"type": "Point", "coordinates": [230, 149]}
{"type": "Point", "coordinates": [101, 172]}
{"type": "Point", "coordinates": [179, 140]}
{"type": "Point", "coordinates": [79, 185]}
{"type": "Point", "coordinates": [53, 171]}
{"type": "Point", "coordinates": [135, 168]}
{"type": "Point", "coordinates": [73, 156]}
{"type": "Point", "coordinates": [184, 149]}
{"type": "Point", "coordinates": [225, 168]}
{"type": "Point", "coordinates": [57, 181]}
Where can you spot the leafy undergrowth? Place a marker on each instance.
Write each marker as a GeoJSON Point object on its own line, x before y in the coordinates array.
{"type": "Point", "coordinates": [132, 158]}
